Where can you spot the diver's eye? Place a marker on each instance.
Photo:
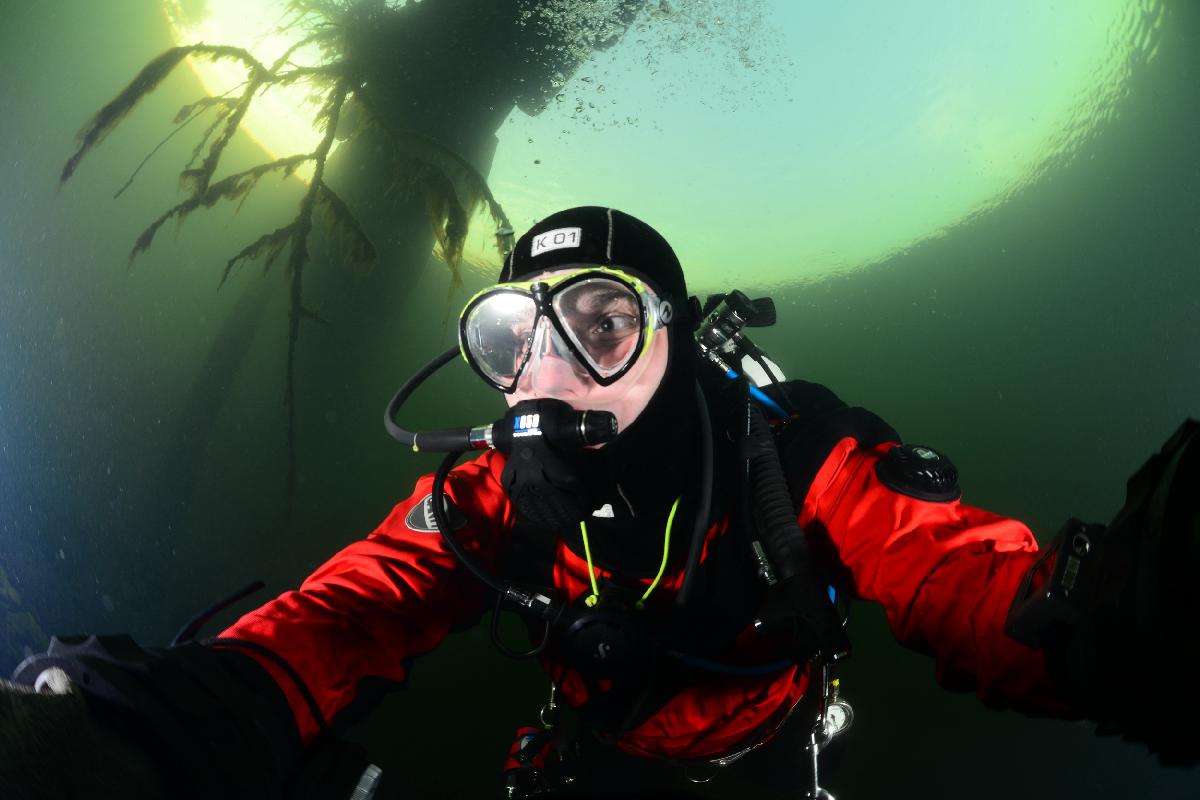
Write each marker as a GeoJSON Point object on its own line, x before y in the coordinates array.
{"type": "Point", "coordinates": [614, 326]}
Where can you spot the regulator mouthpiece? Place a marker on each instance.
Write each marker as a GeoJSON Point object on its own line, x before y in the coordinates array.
{"type": "Point", "coordinates": [556, 422]}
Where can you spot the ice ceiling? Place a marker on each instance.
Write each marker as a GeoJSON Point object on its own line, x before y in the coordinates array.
{"type": "Point", "coordinates": [778, 141]}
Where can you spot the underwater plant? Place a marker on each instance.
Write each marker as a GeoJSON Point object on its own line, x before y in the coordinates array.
{"type": "Point", "coordinates": [451, 189]}
{"type": "Point", "coordinates": [412, 94]}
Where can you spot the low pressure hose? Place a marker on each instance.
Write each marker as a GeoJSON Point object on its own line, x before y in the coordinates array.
{"type": "Point", "coordinates": [440, 441]}
{"type": "Point", "coordinates": [536, 603]}
{"type": "Point", "coordinates": [759, 395]}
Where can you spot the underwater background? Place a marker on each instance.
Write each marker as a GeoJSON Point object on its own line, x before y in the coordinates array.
{"type": "Point", "coordinates": [1036, 316]}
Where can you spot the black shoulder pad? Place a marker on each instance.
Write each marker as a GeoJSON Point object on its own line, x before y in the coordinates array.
{"type": "Point", "coordinates": [807, 439]}
{"type": "Point", "coordinates": [919, 472]}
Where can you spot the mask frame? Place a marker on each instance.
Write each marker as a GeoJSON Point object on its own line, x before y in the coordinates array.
{"type": "Point", "coordinates": [653, 312]}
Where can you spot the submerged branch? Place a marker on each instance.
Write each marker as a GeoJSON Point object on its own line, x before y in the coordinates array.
{"type": "Point", "coordinates": [206, 102]}
{"type": "Point", "coordinates": [195, 110]}
{"type": "Point", "coordinates": [320, 35]}
{"type": "Point", "coordinates": [452, 190]}
{"type": "Point", "coordinates": [200, 177]}
{"type": "Point", "coordinates": [342, 224]}
{"type": "Point", "coordinates": [447, 216]}
{"type": "Point", "coordinates": [296, 261]}
{"type": "Point", "coordinates": [146, 81]}
{"type": "Point", "coordinates": [106, 119]}
{"type": "Point", "coordinates": [229, 188]}
{"type": "Point", "coordinates": [305, 73]}
{"type": "Point", "coordinates": [208, 132]}
{"type": "Point", "coordinates": [269, 245]}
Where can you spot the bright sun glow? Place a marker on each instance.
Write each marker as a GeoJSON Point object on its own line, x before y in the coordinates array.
{"type": "Point", "coordinates": [856, 130]}
{"type": "Point", "coordinates": [280, 119]}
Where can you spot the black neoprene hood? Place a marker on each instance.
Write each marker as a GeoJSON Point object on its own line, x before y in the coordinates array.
{"type": "Point", "coordinates": [594, 235]}
{"type": "Point", "coordinates": [655, 455]}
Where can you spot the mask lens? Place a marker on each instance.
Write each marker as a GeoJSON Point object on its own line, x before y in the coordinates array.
{"type": "Point", "coordinates": [498, 332]}
{"type": "Point", "coordinates": [604, 319]}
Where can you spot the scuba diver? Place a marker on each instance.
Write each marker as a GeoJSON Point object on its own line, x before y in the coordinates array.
{"type": "Point", "coordinates": [681, 531]}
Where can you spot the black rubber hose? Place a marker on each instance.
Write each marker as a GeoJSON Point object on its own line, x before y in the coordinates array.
{"type": "Point", "coordinates": [800, 593]}
{"type": "Point", "coordinates": [188, 632]}
{"type": "Point", "coordinates": [445, 440]}
{"type": "Point", "coordinates": [781, 534]}
{"type": "Point", "coordinates": [409, 437]}
{"type": "Point", "coordinates": [537, 603]}
{"type": "Point", "coordinates": [443, 523]}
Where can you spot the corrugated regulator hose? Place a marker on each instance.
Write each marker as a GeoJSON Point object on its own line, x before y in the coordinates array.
{"type": "Point", "coordinates": [781, 534]}
{"type": "Point", "coordinates": [797, 601]}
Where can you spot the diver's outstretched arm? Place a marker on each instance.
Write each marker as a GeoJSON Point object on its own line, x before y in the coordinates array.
{"type": "Point", "coordinates": [251, 714]}
{"type": "Point", "coordinates": [1116, 607]}
{"type": "Point", "coordinates": [51, 747]}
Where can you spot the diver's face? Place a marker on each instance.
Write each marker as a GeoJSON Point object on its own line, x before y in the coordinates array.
{"type": "Point", "coordinates": [554, 373]}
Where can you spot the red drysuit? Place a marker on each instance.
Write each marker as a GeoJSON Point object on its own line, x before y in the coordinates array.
{"type": "Point", "coordinates": [945, 573]}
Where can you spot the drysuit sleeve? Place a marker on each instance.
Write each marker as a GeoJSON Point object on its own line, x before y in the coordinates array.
{"type": "Point", "coordinates": [379, 602]}
{"type": "Point", "coordinates": [945, 572]}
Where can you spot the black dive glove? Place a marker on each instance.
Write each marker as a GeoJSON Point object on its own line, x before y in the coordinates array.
{"type": "Point", "coordinates": [546, 475]}
{"type": "Point", "coordinates": [187, 722]}
{"type": "Point", "coordinates": [51, 747]}
{"type": "Point", "coordinates": [1118, 613]}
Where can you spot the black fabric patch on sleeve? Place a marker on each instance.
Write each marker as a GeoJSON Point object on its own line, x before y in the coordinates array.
{"type": "Point", "coordinates": [420, 517]}
{"type": "Point", "coordinates": [919, 472]}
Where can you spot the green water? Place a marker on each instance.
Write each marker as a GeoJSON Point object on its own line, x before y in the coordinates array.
{"type": "Point", "coordinates": [1048, 344]}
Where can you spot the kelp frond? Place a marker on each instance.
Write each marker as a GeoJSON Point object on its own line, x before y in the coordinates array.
{"type": "Point", "coordinates": [327, 120]}
{"type": "Point", "coordinates": [344, 229]}
{"type": "Point", "coordinates": [447, 216]}
{"type": "Point", "coordinates": [106, 119]}
{"type": "Point", "coordinates": [320, 75]}
{"type": "Point", "coordinates": [199, 177]}
{"type": "Point", "coordinates": [201, 105]}
{"type": "Point", "coordinates": [184, 118]}
{"type": "Point", "coordinates": [452, 191]}
{"type": "Point", "coordinates": [222, 113]}
{"type": "Point", "coordinates": [232, 187]}
{"type": "Point", "coordinates": [267, 246]}
{"type": "Point", "coordinates": [320, 37]}
{"type": "Point", "coordinates": [146, 81]}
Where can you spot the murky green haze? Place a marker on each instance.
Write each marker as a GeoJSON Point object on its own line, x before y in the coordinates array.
{"type": "Point", "coordinates": [1048, 346]}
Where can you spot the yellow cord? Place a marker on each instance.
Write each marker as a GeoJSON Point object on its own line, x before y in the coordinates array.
{"type": "Point", "coordinates": [594, 597]}
{"type": "Point", "coordinates": [587, 551]}
{"type": "Point", "coordinates": [666, 547]}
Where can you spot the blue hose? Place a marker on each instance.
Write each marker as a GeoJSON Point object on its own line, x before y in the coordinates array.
{"type": "Point", "coordinates": [761, 396]}
{"type": "Point", "coordinates": [733, 669]}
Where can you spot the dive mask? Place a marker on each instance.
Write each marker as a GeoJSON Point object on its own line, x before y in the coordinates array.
{"type": "Point", "coordinates": [599, 318]}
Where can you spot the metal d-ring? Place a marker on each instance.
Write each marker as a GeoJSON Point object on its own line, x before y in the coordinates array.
{"type": "Point", "coordinates": [550, 710]}
{"type": "Point", "coordinates": [690, 772]}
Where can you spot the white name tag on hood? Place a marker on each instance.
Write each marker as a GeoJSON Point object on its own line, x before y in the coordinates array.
{"type": "Point", "coordinates": [556, 239]}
